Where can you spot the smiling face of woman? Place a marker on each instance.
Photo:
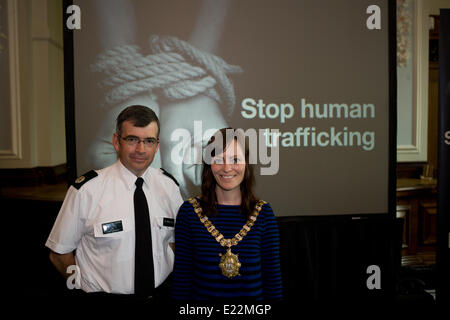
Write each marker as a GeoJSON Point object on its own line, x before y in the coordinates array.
{"type": "Point", "coordinates": [228, 168]}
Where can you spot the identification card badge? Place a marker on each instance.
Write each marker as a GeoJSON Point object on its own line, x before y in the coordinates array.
{"type": "Point", "coordinates": [168, 222]}
{"type": "Point", "coordinates": [111, 227]}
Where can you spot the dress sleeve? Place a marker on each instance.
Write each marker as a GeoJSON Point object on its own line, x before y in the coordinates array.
{"type": "Point", "coordinates": [270, 247]}
{"type": "Point", "coordinates": [182, 271]}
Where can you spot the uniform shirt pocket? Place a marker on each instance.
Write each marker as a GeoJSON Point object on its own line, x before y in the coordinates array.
{"type": "Point", "coordinates": [164, 233]}
{"type": "Point", "coordinates": [166, 228]}
{"type": "Point", "coordinates": [113, 238]}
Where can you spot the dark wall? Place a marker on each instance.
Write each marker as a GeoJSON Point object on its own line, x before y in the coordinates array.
{"type": "Point", "coordinates": [31, 273]}
{"type": "Point", "coordinates": [324, 259]}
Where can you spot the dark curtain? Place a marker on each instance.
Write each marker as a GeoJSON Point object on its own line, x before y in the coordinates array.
{"type": "Point", "coordinates": [326, 258]}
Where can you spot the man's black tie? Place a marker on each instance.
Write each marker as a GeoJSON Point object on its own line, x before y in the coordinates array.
{"type": "Point", "coordinates": [144, 281]}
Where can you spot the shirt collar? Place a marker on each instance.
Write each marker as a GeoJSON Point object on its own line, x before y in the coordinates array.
{"type": "Point", "coordinates": [129, 178]}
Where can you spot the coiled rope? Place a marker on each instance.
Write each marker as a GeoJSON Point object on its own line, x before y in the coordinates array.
{"type": "Point", "coordinates": [174, 69]}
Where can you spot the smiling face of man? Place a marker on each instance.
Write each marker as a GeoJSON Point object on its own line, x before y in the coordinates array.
{"type": "Point", "coordinates": [135, 154]}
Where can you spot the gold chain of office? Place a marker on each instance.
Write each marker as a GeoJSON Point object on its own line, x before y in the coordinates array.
{"type": "Point", "coordinates": [229, 262]}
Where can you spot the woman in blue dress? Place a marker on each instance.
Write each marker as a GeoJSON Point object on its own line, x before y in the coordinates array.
{"type": "Point", "coordinates": [227, 241]}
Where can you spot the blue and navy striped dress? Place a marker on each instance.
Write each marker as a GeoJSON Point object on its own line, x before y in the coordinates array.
{"type": "Point", "coordinates": [197, 275]}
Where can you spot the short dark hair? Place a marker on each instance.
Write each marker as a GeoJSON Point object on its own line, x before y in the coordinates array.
{"type": "Point", "coordinates": [140, 116]}
{"type": "Point", "coordinates": [209, 197]}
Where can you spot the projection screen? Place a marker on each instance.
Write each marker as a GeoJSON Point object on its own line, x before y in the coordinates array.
{"type": "Point", "coordinates": [309, 78]}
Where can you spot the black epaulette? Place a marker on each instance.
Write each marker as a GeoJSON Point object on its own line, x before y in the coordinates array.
{"type": "Point", "coordinates": [170, 176]}
{"type": "Point", "coordinates": [84, 178]}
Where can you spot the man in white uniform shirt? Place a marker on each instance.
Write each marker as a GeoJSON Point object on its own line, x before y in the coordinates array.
{"type": "Point", "coordinates": [95, 228]}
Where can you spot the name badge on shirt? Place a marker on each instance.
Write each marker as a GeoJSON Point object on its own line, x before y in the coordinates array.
{"type": "Point", "coordinates": [168, 222]}
{"type": "Point", "coordinates": [111, 227]}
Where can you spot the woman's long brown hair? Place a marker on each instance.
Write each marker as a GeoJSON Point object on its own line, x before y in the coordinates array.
{"type": "Point", "coordinates": [209, 198]}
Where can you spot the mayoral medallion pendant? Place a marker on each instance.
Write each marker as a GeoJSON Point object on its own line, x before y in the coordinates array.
{"type": "Point", "coordinates": [229, 264]}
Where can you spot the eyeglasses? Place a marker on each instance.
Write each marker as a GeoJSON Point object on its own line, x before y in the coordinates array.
{"type": "Point", "coordinates": [133, 141]}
